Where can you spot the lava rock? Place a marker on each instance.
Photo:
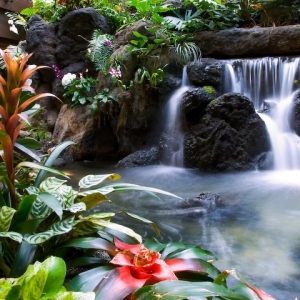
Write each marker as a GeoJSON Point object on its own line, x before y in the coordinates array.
{"type": "Point", "coordinates": [228, 137]}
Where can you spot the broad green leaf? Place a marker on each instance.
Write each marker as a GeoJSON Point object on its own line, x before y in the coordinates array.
{"type": "Point", "coordinates": [141, 219]}
{"type": "Point", "coordinates": [133, 187]}
{"type": "Point", "coordinates": [55, 269]}
{"type": "Point", "coordinates": [118, 227]}
{"type": "Point", "coordinates": [29, 143]}
{"type": "Point", "coordinates": [12, 235]}
{"type": "Point", "coordinates": [28, 153]}
{"type": "Point", "coordinates": [173, 247]}
{"type": "Point", "coordinates": [10, 292]}
{"type": "Point", "coordinates": [92, 180]}
{"type": "Point", "coordinates": [85, 261]}
{"type": "Point", "coordinates": [28, 226]}
{"type": "Point", "coordinates": [6, 215]}
{"type": "Point", "coordinates": [40, 167]}
{"type": "Point", "coordinates": [39, 238]}
{"type": "Point", "coordinates": [154, 245]}
{"type": "Point", "coordinates": [102, 190]}
{"type": "Point", "coordinates": [53, 202]}
{"type": "Point", "coordinates": [62, 227]}
{"type": "Point", "coordinates": [88, 280]}
{"type": "Point", "coordinates": [192, 252]}
{"type": "Point", "coordinates": [51, 184]}
{"type": "Point", "coordinates": [23, 259]}
{"type": "Point", "coordinates": [24, 208]}
{"type": "Point", "coordinates": [77, 207]}
{"type": "Point", "coordinates": [50, 160]}
{"type": "Point", "coordinates": [93, 199]}
{"type": "Point", "coordinates": [91, 243]}
{"type": "Point", "coordinates": [175, 290]}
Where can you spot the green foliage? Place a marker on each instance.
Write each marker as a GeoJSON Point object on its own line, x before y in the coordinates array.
{"type": "Point", "coordinates": [153, 78]}
{"type": "Point", "coordinates": [104, 96]}
{"type": "Point", "coordinates": [41, 281]}
{"type": "Point", "coordinates": [209, 89]}
{"type": "Point", "coordinates": [145, 9]}
{"type": "Point", "coordinates": [50, 12]}
{"type": "Point", "coordinates": [100, 49]}
{"type": "Point", "coordinates": [80, 90]}
{"type": "Point", "coordinates": [210, 15]}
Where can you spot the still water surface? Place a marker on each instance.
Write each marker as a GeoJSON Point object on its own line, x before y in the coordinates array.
{"type": "Point", "coordinates": [256, 229]}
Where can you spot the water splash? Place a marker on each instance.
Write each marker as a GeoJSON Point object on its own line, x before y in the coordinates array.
{"type": "Point", "coordinates": [270, 81]}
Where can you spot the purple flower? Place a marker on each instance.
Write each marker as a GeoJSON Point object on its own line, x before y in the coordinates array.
{"type": "Point", "coordinates": [108, 43]}
{"type": "Point", "coordinates": [57, 72]}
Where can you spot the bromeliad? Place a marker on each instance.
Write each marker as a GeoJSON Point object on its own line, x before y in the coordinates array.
{"type": "Point", "coordinates": [137, 269]}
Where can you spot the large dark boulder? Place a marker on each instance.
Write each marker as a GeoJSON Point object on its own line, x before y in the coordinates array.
{"type": "Point", "coordinates": [228, 136]}
{"type": "Point", "coordinates": [73, 32]}
{"type": "Point", "coordinates": [245, 42]}
{"type": "Point", "coordinates": [140, 158]}
{"type": "Point", "coordinates": [295, 113]}
{"type": "Point", "coordinates": [205, 72]}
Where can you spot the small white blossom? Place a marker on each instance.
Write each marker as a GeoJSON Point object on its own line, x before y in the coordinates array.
{"type": "Point", "coordinates": [10, 22]}
{"type": "Point", "coordinates": [68, 78]}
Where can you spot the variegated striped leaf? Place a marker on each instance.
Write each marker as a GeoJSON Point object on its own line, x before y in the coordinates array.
{"type": "Point", "coordinates": [67, 193]}
{"type": "Point", "coordinates": [39, 238]}
{"type": "Point", "coordinates": [51, 184]}
{"type": "Point", "coordinates": [6, 215]}
{"type": "Point", "coordinates": [12, 235]}
{"type": "Point", "coordinates": [101, 215]}
{"type": "Point", "coordinates": [41, 210]}
{"type": "Point", "coordinates": [92, 180]}
{"type": "Point", "coordinates": [86, 227]}
{"type": "Point", "coordinates": [102, 190]}
{"type": "Point", "coordinates": [62, 227]}
{"type": "Point", "coordinates": [32, 190]}
{"type": "Point", "coordinates": [77, 207]}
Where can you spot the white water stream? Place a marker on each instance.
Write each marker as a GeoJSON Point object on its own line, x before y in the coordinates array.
{"type": "Point", "coordinates": [173, 151]}
{"type": "Point", "coordinates": [270, 80]}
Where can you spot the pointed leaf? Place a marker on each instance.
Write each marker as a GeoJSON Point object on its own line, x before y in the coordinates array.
{"type": "Point", "coordinates": [41, 167]}
{"type": "Point", "coordinates": [88, 280]}
{"type": "Point", "coordinates": [93, 199]}
{"type": "Point", "coordinates": [174, 290]}
{"type": "Point", "coordinates": [92, 180]}
{"type": "Point", "coordinates": [52, 202]}
{"type": "Point", "coordinates": [29, 143]}
{"type": "Point", "coordinates": [6, 215]}
{"type": "Point", "coordinates": [12, 235]}
{"type": "Point", "coordinates": [50, 160]}
{"type": "Point", "coordinates": [22, 149]}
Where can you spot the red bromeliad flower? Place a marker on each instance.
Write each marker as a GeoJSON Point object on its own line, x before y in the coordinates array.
{"type": "Point", "coordinates": [138, 266]}
{"type": "Point", "coordinates": [142, 263]}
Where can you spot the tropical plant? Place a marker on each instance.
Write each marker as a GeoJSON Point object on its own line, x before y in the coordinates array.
{"type": "Point", "coordinates": [100, 49]}
{"type": "Point", "coordinates": [153, 78]}
{"type": "Point", "coordinates": [104, 96]}
{"type": "Point", "coordinates": [41, 281]}
{"type": "Point", "coordinates": [146, 8]}
{"type": "Point", "coordinates": [53, 212]}
{"type": "Point", "coordinates": [49, 11]}
{"type": "Point", "coordinates": [14, 102]}
{"type": "Point", "coordinates": [210, 15]}
{"type": "Point", "coordinates": [16, 19]}
{"type": "Point", "coordinates": [160, 268]}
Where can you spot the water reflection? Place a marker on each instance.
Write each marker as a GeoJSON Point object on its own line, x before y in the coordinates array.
{"type": "Point", "coordinates": [255, 229]}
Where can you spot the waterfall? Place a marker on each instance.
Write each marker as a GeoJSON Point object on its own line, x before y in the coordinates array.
{"type": "Point", "coordinates": [173, 142]}
{"type": "Point", "coordinates": [270, 82]}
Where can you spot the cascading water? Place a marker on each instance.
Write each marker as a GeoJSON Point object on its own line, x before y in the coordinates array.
{"type": "Point", "coordinates": [270, 82]}
{"type": "Point", "coordinates": [173, 144]}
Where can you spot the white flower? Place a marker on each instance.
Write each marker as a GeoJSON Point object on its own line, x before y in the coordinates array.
{"type": "Point", "coordinates": [10, 22]}
{"type": "Point", "coordinates": [68, 78]}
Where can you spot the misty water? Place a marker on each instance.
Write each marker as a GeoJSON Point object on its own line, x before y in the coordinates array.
{"type": "Point", "coordinates": [255, 229]}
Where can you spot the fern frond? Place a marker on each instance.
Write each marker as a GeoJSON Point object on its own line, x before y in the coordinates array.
{"type": "Point", "coordinates": [100, 49]}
